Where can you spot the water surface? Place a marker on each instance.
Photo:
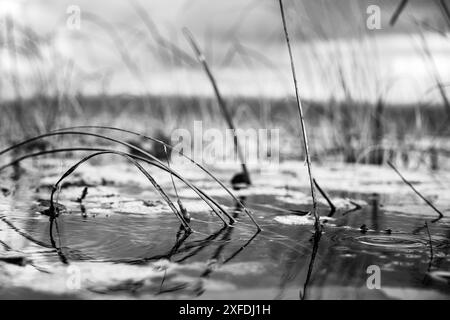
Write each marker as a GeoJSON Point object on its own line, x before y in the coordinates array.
{"type": "Point", "coordinates": [123, 241]}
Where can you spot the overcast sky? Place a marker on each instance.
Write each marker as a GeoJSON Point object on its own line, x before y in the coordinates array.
{"type": "Point", "coordinates": [253, 19]}
{"type": "Point", "coordinates": [113, 39]}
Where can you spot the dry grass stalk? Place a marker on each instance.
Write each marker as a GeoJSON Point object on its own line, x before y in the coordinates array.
{"type": "Point", "coordinates": [302, 119]}
{"type": "Point", "coordinates": [223, 107]}
{"type": "Point", "coordinates": [417, 192]}
{"type": "Point", "coordinates": [327, 198]}
{"type": "Point", "coordinates": [247, 212]}
{"type": "Point", "coordinates": [147, 158]}
{"type": "Point", "coordinates": [397, 12]}
{"type": "Point", "coordinates": [183, 210]}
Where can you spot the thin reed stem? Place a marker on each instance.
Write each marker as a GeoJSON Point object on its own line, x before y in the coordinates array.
{"type": "Point", "coordinates": [302, 118]}
{"type": "Point", "coordinates": [445, 10]}
{"type": "Point", "coordinates": [327, 198]}
{"type": "Point", "coordinates": [441, 215]}
{"type": "Point", "coordinates": [183, 210]}
{"type": "Point", "coordinates": [223, 107]}
{"type": "Point", "coordinates": [397, 12]}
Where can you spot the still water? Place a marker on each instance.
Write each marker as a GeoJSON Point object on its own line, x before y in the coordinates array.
{"type": "Point", "coordinates": [122, 240]}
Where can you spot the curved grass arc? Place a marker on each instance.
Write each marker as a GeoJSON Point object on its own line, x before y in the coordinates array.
{"type": "Point", "coordinates": [131, 146]}
{"type": "Point", "coordinates": [265, 236]}
{"type": "Point", "coordinates": [247, 212]}
{"type": "Point", "coordinates": [284, 243]}
{"type": "Point", "coordinates": [200, 193]}
{"type": "Point", "coordinates": [133, 161]}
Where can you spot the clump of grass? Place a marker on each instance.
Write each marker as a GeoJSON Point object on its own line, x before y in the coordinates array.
{"type": "Point", "coordinates": [161, 191]}
{"type": "Point", "coordinates": [248, 213]}
{"type": "Point", "coordinates": [147, 157]}
{"type": "Point", "coordinates": [302, 118]}
{"type": "Point", "coordinates": [53, 211]}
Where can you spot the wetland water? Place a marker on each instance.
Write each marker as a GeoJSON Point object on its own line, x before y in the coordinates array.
{"type": "Point", "coordinates": [122, 241]}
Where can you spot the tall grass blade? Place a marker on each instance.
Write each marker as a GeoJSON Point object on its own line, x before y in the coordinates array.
{"type": "Point", "coordinates": [223, 107]}
{"type": "Point", "coordinates": [397, 12]}
{"type": "Point", "coordinates": [441, 215]}
{"type": "Point", "coordinates": [302, 118]}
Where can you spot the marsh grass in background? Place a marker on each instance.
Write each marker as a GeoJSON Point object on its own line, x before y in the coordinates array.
{"type": "Point", "coordinates": [409, 132]}
{"type": "Point", "coordinates": [346, 129]}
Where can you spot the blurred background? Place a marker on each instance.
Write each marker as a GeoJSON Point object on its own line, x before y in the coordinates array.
{"type": "Point", "coordinates": [366, 89]}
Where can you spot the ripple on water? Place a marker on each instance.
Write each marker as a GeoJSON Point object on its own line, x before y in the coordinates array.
{"type": "Point", "coordinates": [393, 241]}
